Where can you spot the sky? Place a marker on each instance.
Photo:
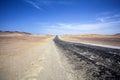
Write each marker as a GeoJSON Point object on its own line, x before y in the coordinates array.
{"type": "Point", "coordinates": [60, 16]}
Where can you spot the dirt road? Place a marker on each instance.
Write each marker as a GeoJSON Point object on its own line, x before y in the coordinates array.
{"type": "Point", "coordinates": [90, 61]}
{"type": "Point", "coordinates": [51, 67]}
{"type": "Point", "coordinates": [32, 62]}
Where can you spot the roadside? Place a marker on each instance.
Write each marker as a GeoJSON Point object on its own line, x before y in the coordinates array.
{"type": "Point", "coordinates": [24, 59]}
{"type": "Point", "coordinates": [92, 62]}
{"type": "Point", "coordinates": [110, 41]}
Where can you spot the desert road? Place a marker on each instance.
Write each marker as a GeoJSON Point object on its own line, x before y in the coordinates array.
{"type": "Point", "coordinates": [55, 59]}
{"type": "Point", "coordinates": [21, 60]}
{"type": "Point", "coordinates": [91, 62]}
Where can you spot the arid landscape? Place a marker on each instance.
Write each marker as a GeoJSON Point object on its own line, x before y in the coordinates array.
{"type": "Point", "coordinates": [25, 56]}
{"type": "Point", "coordinates": [21, 55]}
{"type": "Point", "coordinates": [113, 40]}
{"type": "Point", "coordinates": [92, 62]}
{"type": "Point", "coordinates": [59, 39]}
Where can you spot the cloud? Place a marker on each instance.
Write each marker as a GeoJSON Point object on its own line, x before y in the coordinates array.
{"type": "Point", "coordinates": [39, 4]}
{"type": "Point", "coordinates": [101, 28]}
{"type": "Point", "coordinates": [109, 16]}
{"type": "Point", "coordinates": [34, 4]}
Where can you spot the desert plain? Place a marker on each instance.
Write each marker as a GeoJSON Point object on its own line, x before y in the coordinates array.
{"type": "Point", "coordinates": [25, 56]}
{"type": "Point", "coordinates": [102, 39]}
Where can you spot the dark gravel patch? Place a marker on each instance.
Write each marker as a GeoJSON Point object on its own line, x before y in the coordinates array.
{"type": "Point", "coordinates": [96, 63]}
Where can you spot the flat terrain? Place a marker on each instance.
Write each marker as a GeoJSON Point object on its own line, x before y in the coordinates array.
{"type": "Point", "coordinates": [30, 57]}
{"type": "Point", "coordinates": [45, 57]}
{"type": "Point", "coordinates": [19, 55]}
{"type": "Point", "coordinates": [113, 40]}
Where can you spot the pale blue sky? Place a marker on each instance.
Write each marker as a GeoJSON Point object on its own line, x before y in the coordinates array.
{"type": "Point", "coordinates": [61, 16]}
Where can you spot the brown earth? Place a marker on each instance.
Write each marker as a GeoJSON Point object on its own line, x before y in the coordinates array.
{"type": "Point", "coordinates": [113, 40]}
{"type": "Point", "coordinates": [18, 53]}
{"type": "Point", "coordinates": [30, 57]}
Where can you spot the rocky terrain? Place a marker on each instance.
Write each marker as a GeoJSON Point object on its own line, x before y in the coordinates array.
{"type": "Point", "coordinates": [92, 62]}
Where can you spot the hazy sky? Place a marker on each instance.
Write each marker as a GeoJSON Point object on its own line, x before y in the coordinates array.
{"type": "Point", "coordinates": [60, 16]}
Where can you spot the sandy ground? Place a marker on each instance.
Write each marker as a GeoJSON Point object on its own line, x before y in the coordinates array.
{"type": "Point", "coordinates": [112, 40]}
{"type": "Point", "coordinates": [35, 57]}
{"type": "Point", "coordinates": [30, 57]}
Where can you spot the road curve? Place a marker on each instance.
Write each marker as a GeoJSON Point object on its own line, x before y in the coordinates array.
{"type": "Point", "coordinates": [94, 62]}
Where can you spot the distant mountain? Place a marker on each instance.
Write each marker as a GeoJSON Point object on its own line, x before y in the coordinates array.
{"type": "Point", "coordinates": [14, 32]}
{"type": "Point", "coordinates": [117, 34]}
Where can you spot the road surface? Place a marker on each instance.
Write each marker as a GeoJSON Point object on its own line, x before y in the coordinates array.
{"type": "Point", "coordinates": [31, 61]}
{"type": "Point", "coordinates": [93, 62]}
